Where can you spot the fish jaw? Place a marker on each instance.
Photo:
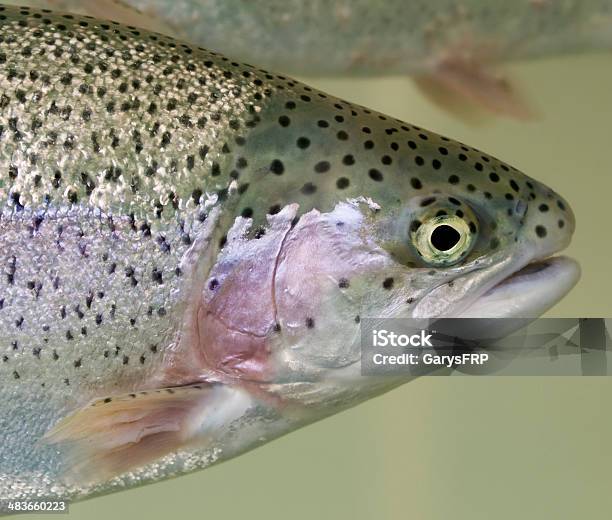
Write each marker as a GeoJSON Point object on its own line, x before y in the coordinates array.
{"type": "Point", "coordinates": [528, 292]}
{"type": "Point", "coordinates": [517, 286]}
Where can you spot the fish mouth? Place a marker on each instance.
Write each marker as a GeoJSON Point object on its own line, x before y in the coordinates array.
{"type": "Point", "coordinates": [527, 292]}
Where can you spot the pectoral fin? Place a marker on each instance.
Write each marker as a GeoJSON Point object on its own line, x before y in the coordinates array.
{"type": "Point", "coordinates": [115, 434]}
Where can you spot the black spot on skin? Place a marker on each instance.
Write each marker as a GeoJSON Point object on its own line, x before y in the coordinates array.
{"type": "Point", "coordinates": [260, 232]}
{"type": "Point", "coordinates": [375, 175]}
{"type": "Point", "coordinates": [157, 276]}
{"type": "Point", "coordinates": [277, 167]}
{"type": "Point", "coordinates": [303, 143]}
{"type": "Point", "coordinates": [388, 283]}
{"type": "Point", "coordinates": [426, 202]}
{"type": "Point", "coordinates": [416, 183]}
{"type": "Point", "coordinates": [540, 231]}
{"type": "Point", "coordinates": [543, 208]}
{"type": "Point", "coordinates": [308, 189]}
{"type": "Point", "coordinates": [342, 183]}
{"type": "Point", "coordinates": [310, 323]}
{"type": "Point", "coordinates": [494, 177]}
{"type": "Point", "coordinates": [343, 283]}
{"type": "Point", "coordinates": [322, 167]}
{"type": "Point", "coordinates": [453, 179]}
{"type": "Point", "coordinates": [348, 160]}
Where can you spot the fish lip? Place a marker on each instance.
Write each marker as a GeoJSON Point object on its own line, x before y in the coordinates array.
{"type": "Point", "coordinates": [528, 291]}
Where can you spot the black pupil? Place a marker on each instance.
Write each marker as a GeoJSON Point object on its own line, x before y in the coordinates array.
{"type": "Point", "coordinates": [445, 237]}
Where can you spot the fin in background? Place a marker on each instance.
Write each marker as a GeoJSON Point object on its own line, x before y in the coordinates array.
{"type": "Point", "coordinates": [470, 91]}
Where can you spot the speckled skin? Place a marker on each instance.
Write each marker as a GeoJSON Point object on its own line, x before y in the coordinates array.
{"type": "Point", "coordinates": [120, 150]}
{"type": "Point", "coordinates": [365, 37]}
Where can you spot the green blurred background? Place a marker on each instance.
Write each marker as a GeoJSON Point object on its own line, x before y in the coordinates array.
{"type": "Point", "coordinates": [460, 448]}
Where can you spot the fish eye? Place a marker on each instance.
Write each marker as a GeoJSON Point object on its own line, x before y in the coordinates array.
{"type": "Point", "coordinates": [442, 240]}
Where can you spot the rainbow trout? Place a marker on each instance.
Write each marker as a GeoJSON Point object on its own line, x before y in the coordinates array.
{"type": "Point", "coordinates": [188, 245]}
{"type": "Point", "coordinates": [451, 47]}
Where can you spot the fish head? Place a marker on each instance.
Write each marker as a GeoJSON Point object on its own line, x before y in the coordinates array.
{"type": "Point", "coordinates": [431, 228]}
